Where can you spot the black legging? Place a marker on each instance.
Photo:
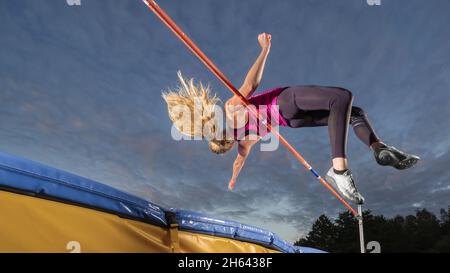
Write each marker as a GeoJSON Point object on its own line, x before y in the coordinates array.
{"type": "Point", "coordinates": [311, 106]}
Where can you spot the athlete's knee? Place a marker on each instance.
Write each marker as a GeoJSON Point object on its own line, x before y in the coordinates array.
{"type": "Point", "coordinates": [348, 94]}
{"type": "Point", "coordinates": [344, 96]}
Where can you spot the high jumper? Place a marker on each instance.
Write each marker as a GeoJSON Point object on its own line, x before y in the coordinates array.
{"type": "Point", "coordinates": [291, 106]}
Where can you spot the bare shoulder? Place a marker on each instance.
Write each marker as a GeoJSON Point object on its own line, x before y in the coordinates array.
{"type": "Point", "coordinates": [233, 108]}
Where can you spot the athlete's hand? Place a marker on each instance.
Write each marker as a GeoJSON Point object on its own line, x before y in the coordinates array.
{"type": "Point", "coordinates": [231, 184]}
{"type": "Point", "coordinates": [264, 40]}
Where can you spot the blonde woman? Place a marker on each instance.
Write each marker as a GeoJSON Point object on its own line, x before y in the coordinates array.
{"type": "Point", "coordinates": [293, 107]}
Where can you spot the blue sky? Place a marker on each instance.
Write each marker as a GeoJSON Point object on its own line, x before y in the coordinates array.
{"type": "Point", "coordinates": [80, 90]}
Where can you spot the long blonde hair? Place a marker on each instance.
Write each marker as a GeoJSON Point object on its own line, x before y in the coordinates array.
{"type": "Point", "coordinates": [191, 108]}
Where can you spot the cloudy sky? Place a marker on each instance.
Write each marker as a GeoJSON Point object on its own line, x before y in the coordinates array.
{"type": "Point", "coordinates": [80, 90]}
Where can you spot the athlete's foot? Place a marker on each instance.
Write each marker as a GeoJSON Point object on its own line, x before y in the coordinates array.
{"type": "Point", "coordinates": [344, 183]}
{"type": "Point", "coordinates": [390, 156]}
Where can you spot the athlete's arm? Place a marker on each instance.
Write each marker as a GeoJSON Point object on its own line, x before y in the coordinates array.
{"type": "Point", "coordinates": [254, 75]}
{"type": "Point", "coordinates": [244, 148]}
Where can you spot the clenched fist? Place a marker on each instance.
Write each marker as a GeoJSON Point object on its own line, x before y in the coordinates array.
{"type": "Point", "coordinates": [264, 40]}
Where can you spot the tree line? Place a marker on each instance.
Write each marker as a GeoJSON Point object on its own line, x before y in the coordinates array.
{"type": "Point", "coordinates": [422, 232]}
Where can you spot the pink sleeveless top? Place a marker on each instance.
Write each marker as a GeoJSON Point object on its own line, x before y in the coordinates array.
{"type": "Point", "coordinates": [267, 106]}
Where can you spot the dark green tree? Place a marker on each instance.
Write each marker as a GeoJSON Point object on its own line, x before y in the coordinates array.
{"type": "Point", "coordinates": [322, 235]}
{"type": "Point", "coordinates": [422, 232]}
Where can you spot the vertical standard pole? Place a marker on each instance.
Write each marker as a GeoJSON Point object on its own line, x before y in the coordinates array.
{"type": "Point", "coordinates": [361, 229]}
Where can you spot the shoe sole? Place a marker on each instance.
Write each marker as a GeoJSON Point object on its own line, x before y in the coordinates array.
{"type": "Point", "coordinates": [406, 163]}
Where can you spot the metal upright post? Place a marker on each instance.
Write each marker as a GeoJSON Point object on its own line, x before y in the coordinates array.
{"type": "Point", "coordinates": [361, 229]}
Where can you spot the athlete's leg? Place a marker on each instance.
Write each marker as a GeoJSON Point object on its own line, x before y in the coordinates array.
{"type": "Point", "coordinates": [362, 127]}
{"type": "Point", "coordinates": [309, 106]}
{"type": "Point", "coordinates": [320, 106]}
{"type": "Point", "coordinates": [384, 155]}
